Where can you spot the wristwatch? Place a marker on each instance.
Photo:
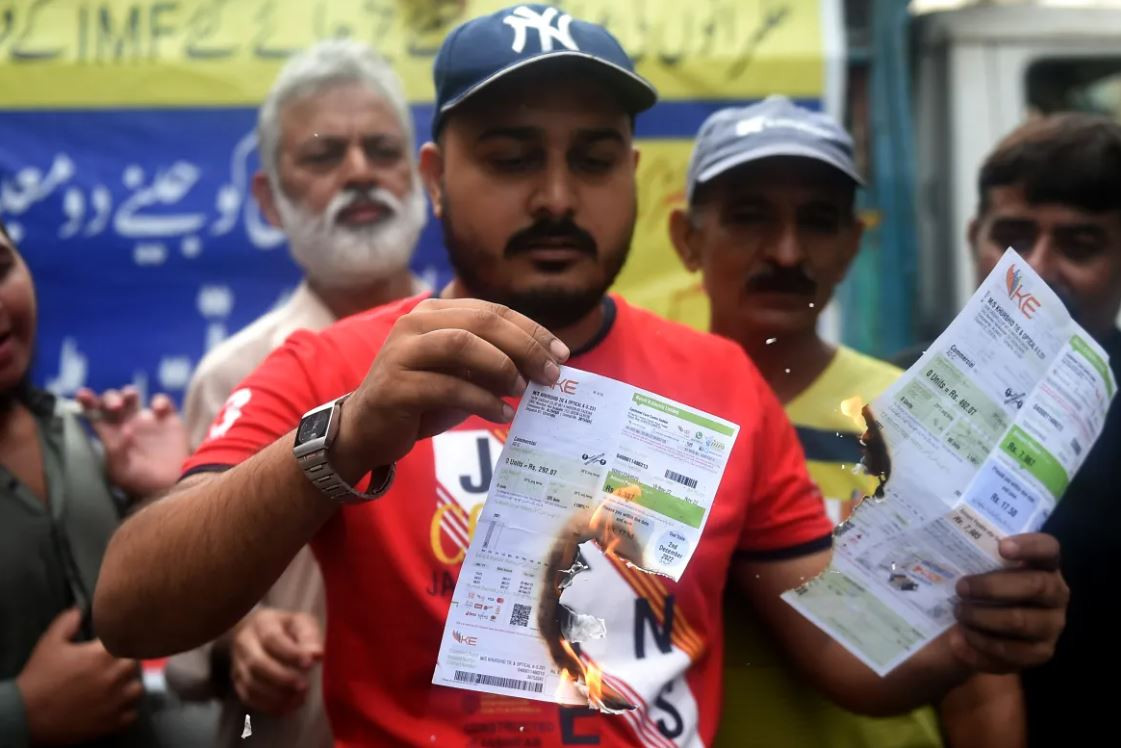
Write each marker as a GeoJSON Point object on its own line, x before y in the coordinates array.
{"type": "Point", "coordinates": [316, 433]}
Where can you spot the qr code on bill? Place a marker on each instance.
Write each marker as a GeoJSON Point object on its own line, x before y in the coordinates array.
{"type": "Point", "coordinates": [520, 616]}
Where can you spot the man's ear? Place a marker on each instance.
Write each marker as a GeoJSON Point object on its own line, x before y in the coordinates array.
{"type": "Point", "coordinates": [684, 236]}
{"type": "Point", "coordinates": [262, 192]}
{"type": "Point", "coordinates": [431, 167]}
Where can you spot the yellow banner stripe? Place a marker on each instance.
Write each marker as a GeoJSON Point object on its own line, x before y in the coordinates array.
{"type": "Point", "coordinates": [114, 53]}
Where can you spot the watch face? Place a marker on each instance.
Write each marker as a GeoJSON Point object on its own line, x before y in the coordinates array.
{"type": "Point", "coordinates": [314, 426]}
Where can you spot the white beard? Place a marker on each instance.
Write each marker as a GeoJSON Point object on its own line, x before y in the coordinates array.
{"type": "Point", "coordinates": [343, 256]}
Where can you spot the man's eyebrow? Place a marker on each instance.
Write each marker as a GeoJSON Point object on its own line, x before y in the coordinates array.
{"type": "Point", "coordinates": [325, 139]}
{"type": "Point", "coordinates": [746, 195]}
{"type": "Point", "coordinates": [1074, 228]}
{"type": "Point", "coordinates": [600, 133]}
{"type": "Point", "coordinates": [818, 203]}
{"type": "Point", "coordinates": [382, 136]}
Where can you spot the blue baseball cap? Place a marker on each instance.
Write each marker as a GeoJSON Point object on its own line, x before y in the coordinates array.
{"type": "Point", "coordinates": [482, 50]}
{"type": "Point", "coordinates": [775, 126]}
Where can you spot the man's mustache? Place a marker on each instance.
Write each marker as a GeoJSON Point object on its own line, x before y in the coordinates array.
{"type": "Point", "coordinates": [782, 280]}
{"type": "Point", "coordinates": [546, 232]}
{"type": "Point", "coordinates": [352, 198]}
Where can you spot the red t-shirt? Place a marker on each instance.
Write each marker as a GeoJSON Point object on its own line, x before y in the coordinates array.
{"type": "Point", "coordinates": [390, 566]}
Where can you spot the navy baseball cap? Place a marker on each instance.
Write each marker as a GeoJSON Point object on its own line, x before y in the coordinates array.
{"type": "Point", "coordinates": [482, 50]}
{"type": "Point", "coordinates": [775, 126]}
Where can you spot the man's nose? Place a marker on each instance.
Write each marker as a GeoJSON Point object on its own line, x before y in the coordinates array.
{"type": "Point", "coordinates": [1044, 258]}
{"type": "Point", "coordinates": [359, 169]}
{"type": "Point", "coordinates": [555, 194]}
{"type": "Point", "coordinates": [786, 250]}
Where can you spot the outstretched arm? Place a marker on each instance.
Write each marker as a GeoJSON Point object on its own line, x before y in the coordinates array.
{"type": "Point", "coordinates": [1007, 620]}
{"type": "Point", "coordinates": [187, 568]}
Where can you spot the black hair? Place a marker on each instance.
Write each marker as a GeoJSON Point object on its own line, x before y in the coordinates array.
{"type": "Point", "coordinates": [1072, 158]}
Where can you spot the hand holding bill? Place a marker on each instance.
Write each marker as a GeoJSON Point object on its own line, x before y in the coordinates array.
{"type": "Point", "coordinates": [444, 361]}
{"type": "Point", "coordinates": [1011, 619]}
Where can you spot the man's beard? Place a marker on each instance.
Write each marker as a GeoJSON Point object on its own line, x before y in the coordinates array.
{"type": "Point", "coordinates": [339, 256]}
{"type": "Point", "coordinates": [552, 306]}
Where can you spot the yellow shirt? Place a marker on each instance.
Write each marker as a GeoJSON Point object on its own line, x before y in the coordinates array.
{"type": "Point", "coordinates": [766, 703]}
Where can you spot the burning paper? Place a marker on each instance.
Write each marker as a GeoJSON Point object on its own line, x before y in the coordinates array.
{"type": "Point", "coordinates": [587, 461]}
{"type": "Point", "coordinates": [976, 441]}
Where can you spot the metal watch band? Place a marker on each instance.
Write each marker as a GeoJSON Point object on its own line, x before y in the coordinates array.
{"type": "Point", "coordinates": [318, 468]}
{"type": "Point", "coordinates": [319, 471]}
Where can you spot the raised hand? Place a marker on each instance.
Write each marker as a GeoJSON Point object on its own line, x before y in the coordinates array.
{"type": "Point", "coordinates": [445, 360]}
{"type": "Point", "coordinates": [144, 447]}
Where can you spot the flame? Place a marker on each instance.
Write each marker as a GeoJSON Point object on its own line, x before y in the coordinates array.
{"type": "Point", "coordinates": [566, 681]}
{"type": "Point", "coordinates": [593, 676]}
{"type": "Point", "coordinates": [611, 533]}
{"type": "Point", "coordinates": [852, 408]}
{"type": "Point", "coordinates": [585, 668]}
{"type": "Point", "coordinates": [590, 681]}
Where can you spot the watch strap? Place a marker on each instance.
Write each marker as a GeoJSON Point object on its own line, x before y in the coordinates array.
{"type": "Point", "coordinates": [318, 469]}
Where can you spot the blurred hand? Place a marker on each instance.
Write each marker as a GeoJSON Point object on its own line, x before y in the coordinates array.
{"type": "Point", "coordinates": [144, 447]}
{"type": "Point", "coordinates": [74, 692]}
{"type": "Point", "coordinates": [1011, 619]}
{"type": "Point", "coordinates": [270, 655]}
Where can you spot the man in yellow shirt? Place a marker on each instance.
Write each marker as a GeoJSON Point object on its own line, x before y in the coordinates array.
{"type": "Point", "coordinates": [770, 223]}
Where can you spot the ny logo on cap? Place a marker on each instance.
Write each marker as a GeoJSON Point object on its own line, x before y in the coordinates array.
{"type": "Point", "coordinates": [522, 19]}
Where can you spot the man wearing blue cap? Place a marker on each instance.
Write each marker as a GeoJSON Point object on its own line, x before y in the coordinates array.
{"type": "Point", "coordinates": [532, 174]}
{"type": "Point", "coordinates": [770, 223]}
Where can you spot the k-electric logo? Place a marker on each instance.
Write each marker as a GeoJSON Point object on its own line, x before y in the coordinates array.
{"type": "Point", "coordinates": [567, 386]}
{"type": "Point", "coordinates": [470, 641]}
{"type": "Point", "coordinates": [1028, 303]}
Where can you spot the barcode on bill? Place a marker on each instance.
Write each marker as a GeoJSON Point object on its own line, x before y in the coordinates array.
{"type": "Point", "coordinates": [520, 616]}
{"type": "Point", "coordinates": [479, 679]}
{"type": "Point", "coordinates": [684, 480]}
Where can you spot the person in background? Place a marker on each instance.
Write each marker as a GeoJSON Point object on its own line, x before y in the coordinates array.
{"type": "Point", "coordinates": [1051, 190]}
{"type": "Point", "coordinates": [61, 497]}
{"type": "Point", "coordinates": [338, 176]}
{"type": "Point", "coordinates": [770, 223]}
{"type": "Point", "coordinates": [356, 437]}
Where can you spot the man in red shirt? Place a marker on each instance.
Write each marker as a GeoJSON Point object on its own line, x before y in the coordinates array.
{"type": "Point", "coordinates": [532, 174]}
